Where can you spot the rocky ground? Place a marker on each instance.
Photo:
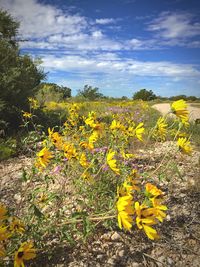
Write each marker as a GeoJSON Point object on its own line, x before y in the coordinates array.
{"type": "Point", "coordinates": [180, 233]}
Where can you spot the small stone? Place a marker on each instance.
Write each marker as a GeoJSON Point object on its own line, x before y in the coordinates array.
{"type": "Point", "coordinates": [115, 237]}
{"type": "Point", "coordinates": [100, 257]}
{"type": "Point", "coordinates": [170, 262]}
{"type": "Point", "coordinates": [111, 261]}
{"type": "Point", "coordinates": [161, 260]}
{"type": "Point", "coordinates": [121, 253]}
{"type": "Point", "coordinates": [135, 264]}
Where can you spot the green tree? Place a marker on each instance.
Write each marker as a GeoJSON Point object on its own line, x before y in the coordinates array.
{"type": "Point", "coordinates": [19, 74]}
{"type": "Point", "coordinates": [90, 93]}
{"type": "Point", "coordinates": [52, 92]}
{"type": "Point", "coordinates": [145, 95]}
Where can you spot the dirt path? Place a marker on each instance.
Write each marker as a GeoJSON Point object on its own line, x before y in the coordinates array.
{"type": "Point", "coordinates": [164, 108]}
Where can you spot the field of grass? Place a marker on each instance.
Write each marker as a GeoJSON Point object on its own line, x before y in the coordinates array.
{"type": "Point", "coordinates": [112, 172]}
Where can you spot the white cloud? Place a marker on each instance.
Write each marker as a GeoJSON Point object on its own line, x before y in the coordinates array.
{"type": "Point", "coordinates": [39, 20]}
{"type": "Point", "coordinates": [102, 64]}
{"type": "Point", "coordinates": [105, 21]}
{"type": "Point", "coordinates": [175, 25]}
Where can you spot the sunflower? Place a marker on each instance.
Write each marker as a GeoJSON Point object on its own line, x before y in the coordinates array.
{"type": "Point", "coordinates": [179, 108]}
{"type": "Point", "coordinates": [25, 252]}
{"type": "Point", "coordinates": [17, 226]}
{"type": "Point", "coordinates": [125, 210]}
{"type": "Point", "coordinates": [44, 157]}
{"type": "Point", "coordinates": [184, 145]}
{"type": "Point", "coordinates": [112, 162]}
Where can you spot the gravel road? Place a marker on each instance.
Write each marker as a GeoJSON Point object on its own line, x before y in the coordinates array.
{"type": "Point", "coordinates": [164, 108]}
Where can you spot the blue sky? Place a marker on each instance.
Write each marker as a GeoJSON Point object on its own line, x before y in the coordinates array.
{"type": "Point", "coordinates": [119, 46]}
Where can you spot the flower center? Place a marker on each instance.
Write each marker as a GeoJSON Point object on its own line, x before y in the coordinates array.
{"type": "Point", "coordinates": [20, 254]}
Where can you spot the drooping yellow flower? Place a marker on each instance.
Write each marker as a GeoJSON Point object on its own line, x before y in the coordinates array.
{"type": "Point", "coordinates": [112, 162]}
{"type": "Point", "coordinates": [125, 212]}
{"type": "Point", "coordinates": [184, 145]}
{"type": "Point", "coordinates": [90, 120]}
{"type": "Point", "coordinates": [3, 212]}
{"type": "Point", "coordinates": [139, 130]}
{"type": "Point", "coordinates": [116, 125]}
{"type": "Point", "coordinates": [57, 140]}
{"type": "Point", "coordinates": [27, 115]}
{"type": "Point", "coordinates": [93, 137]}
{"type": "Point", "coordinates": [145, 222]}
{"type": "Point", "coordinates": [17, 226]}
{"type": "Point", "coordinates": [44, 157]}
{"type": "Point", "coordinates": [179, 108]}
{"type": "Point", "coordinates": [152, 190]}
{"type": "Point", "coordinates": [33, 103]}
{"type": "Point", "coordinates": [159, 209]}
{"type": "Point", "coordinates": [83, 160]}
{"type": "Point", "coordinates": [125, 189]}
{"type": "Point", "coordinates": [70, 151]}
{"type": "Point", "coordinates": [25, 252]}
{"type": "Point", "coordinates": [161, 129]}
{"type": "Point", "coordinates": [86, 145]}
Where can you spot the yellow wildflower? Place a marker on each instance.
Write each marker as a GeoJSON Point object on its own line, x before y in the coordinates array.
{"type": "Point", "coordinates": [112, 162]}
{"type": "Point", "coordinates": [57, 140]}
{"type": "Point", "coordinates": [83, 160]}
{"type": "Point", "coordinates": [17, 226]}
{"type": "Point", "coordinates": [69, 151]}
{"type": "Point", "coordinates": [145, 223]}
{"type": "Point", "coordinates": [93, 137]}
{"type": "Point", "coordinates": [161, 130]}
{"type": "Point", "coordinates": [116, 125]}
{"type": "Point", "coordinates": [25, 252]}
{"type": "Point", "coordinates": [44, 157]}
{"type": "Point", "coordinates": [86, 145]}
{"type": "Point", "coordinates": [179, 108]}
{"type": "Point", "coordinates": [139, 130]}
{"type": "Point", "coordinates": [27, 115]}
{"type": "Point", "coordinates": [125, 210]}
{"type": "Point", "coordinates": [33, 103]}
{"type": "Point", "coordinates": [153, 191]}
{"type": "Point", "coordinates": [159, 209]}
{"type": "Point", "coordinates": [184, 145]}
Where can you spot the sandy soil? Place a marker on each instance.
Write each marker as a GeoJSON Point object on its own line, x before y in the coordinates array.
{"type": "Point", "coordinates": [164, 108]}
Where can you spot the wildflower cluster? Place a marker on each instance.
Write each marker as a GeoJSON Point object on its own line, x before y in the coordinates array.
{"type": "Point", "coordinates": [146, 214]}
{"type": "Point", "coordinates": [11, 228]}
{"type": "Point", "coordinates": [94, 157]}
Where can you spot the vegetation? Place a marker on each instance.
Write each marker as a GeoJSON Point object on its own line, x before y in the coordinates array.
{"type": "Point", "coordinates": [97, 148]}
{"type": "Point", "coordinates": [90, 93]}
{"type": "Point", "coordinates": [19, 75]}
{"type": "Point", "coordinates": [145, 95]}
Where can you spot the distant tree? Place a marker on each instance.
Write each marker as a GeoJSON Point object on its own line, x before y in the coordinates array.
{"type": "Point", "coordinates": [52, 92]}
{"type": "Point", "coordinates": [177, 97]}
{"type": "Point", "coordinates": [145, 95]}
{"type": "Point", "coordinates": [19, 74]}
{"type": "Point", "coordinates": [124, 98]}
{"type": "Point", "coordinates": [90, 93]}
{"type": "Point", "coordinates": [192, 98]}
